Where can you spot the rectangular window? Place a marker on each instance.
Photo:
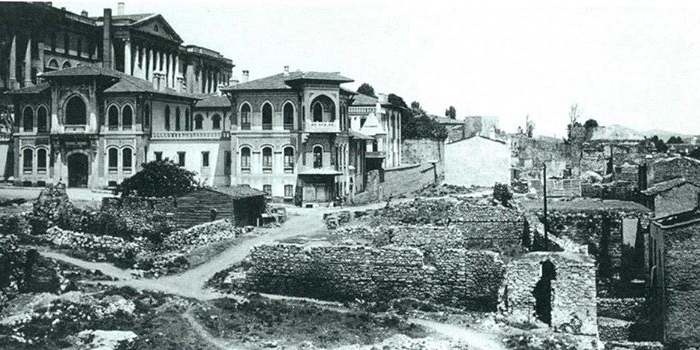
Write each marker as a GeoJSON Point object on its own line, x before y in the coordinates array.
{"type": "Point", "coordinates": [267, 162]}
{"type": "Point", "coordinates": [227, 162]}
{"type": "Point", "coordinates": [181, 158]}
{"type": "Point", "coordinates": [205, 159]}
{"type": "Point", "coordinates": [159, 156]}
{"type": "Point", "coordinates": [288, 191]}
{"type": "Point", "coordinates": [245, 121]}
{"type": "Point", "coordinates": [267, 189]}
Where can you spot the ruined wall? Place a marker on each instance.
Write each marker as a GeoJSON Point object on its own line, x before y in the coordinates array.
{"type": "Point", "coordinates": [563, 188]}
{"type": "Point", "coordinates": [530, 153]}
{"type": "Point", "coordinates": [422, 151]}
{"type": "Point", "coordinates": [165, 205]}
{"type": "Point", "coordinates": [573, 300]}
{"type": "Point", "coordinates": [671, 168]}
{"type": "Point", "coordinates": [681, 279]}
{"type": "Point", "coordinates": [454, 277]}
{"type": "Point", "coordinates": [676, 200]}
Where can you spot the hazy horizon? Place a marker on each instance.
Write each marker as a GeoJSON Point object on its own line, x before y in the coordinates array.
{"type": "Point", "coordinates": [628, 63]}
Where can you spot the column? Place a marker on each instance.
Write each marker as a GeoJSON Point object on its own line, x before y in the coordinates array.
{"type": "Point", "coordinates": [40, 47]}
{"type": "Point", "coordinates": [157, 62]}
{"type": "Point", "coordinates": [200, 83]}
{"type": "Point", "coordinates": [127, 57]}
{"type": "Point", "coordinates": [144, 63]}
{"type": "Point", "coordinates": [177, 71]}
{"type": "Point", "coordinates": [28, 64]}
{"type": "Point", "coordinates": [113, 57]}
{"type": "Point", "coordinates": [150, 65]}
{"type": "Point", "coordinates": [204, 81]}
{"type": "Point", "coordinates": [13, 64]}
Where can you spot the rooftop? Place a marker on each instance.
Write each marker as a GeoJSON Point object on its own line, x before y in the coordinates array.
{"type": "Point", "coordinates": [281, 81]}
{"type": "Point", "coordinates": [213, 101]}
{"type": "Point", "coordinates": [680, 219]}
{"type": "Point", "coordinates": [238, 192]}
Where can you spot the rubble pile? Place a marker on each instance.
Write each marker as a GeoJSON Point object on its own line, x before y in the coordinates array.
{"type": "Point", "coordinates": [96, 248]}
{"type": "Point", "coordinates": [453, 277]}
{"type": "Point", "coordinates": [335, 220]}
{"type": "Point", "coordinates": [200, 235]}
{"type": "Point", "coordinates": [442, 190]}
{"type": "Point", "coordinates": [105, 340]}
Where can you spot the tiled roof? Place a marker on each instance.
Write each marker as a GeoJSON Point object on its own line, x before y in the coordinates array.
{"type": "Point", "coordinates": [364, 100]}
{"type": "Point", "coordinates": [280, 81]}
{"type": "Point", "coordinates": [445, 120]}
{"type": "Point", "coordinates": [359, 135]}
{"type": "Point", "coordinates": [665, 186]}
{"type": "Point", "coordinates": [239, 192]}
{"type": "Point", "coordinates": [125, 83]}
{"type": "Point", "coordinates": [214, 101]}
{"type": "Point", "coordinates": [34, 89]}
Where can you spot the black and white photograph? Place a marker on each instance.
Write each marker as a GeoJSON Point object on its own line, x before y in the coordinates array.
{"type": "Point", "coordinates": [349, 175]}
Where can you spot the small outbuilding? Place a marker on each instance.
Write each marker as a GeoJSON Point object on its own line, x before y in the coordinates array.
{"type": "Point", "coordinates": [241, 204]}
{"type": "Point", "coordinates": [477, 161]}
{"type": "Point", "coordinates": [672, 197]}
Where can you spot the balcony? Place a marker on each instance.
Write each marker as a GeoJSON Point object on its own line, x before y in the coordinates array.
{"type": "Point", "coordinates": [190, 135]}
{"type": "Point", "coordinates": [75, 128]}
{"type": "Point", "coordinates": [267, 126]}
{"type": "Point", "coordinates": [330, 127]}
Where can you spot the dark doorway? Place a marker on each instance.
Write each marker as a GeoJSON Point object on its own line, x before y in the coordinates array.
{"type": "Point", "coordinates": [76, 111]}
{"type": "Point", "coordinates": [543, 293]}
{"type": "Point", "coordinates": [77, 170]}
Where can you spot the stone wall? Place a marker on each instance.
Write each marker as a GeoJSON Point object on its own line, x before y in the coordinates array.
{"type": "Point", "coordinates": [398, 181]}
{"type": "Point", "coordinates": [629, 309]}
{"type": "Point", "coordinates": [530, 153]}
{"type": "Point", "coordinates": [563, 188]}
{"type": "Point", "coordinates": [667, 169]}
{"type": "Point", "coordinates": [573, 298]}
{"type": "Point", "coordinates": [454, 277]}
{"type": "Point", "coordinates": [422, 151]}
{"type": "Point", "coordinates": [676, 200]}
{"type": "Point", "coordinates": [165, 205]}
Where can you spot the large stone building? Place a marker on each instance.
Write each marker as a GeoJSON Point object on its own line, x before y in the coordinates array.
{"type": "Point", "coordinates": [291, 137]}
{"type": "Point", "coordinates": [380, 119]}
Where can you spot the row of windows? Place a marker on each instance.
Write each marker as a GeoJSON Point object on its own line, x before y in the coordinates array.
{"type": "Point", "coordinates": [288, 116]}
{"type": "Point", "coordinates": [181, 156]}
{"type": "Point", "coordinates": [189, 125]}
{"type": "Point", "coordinates": [113, 159]}
{"type": "Point", "coordinates": [127, 117]}
{"type": "Point", "coordinates": [288, 190]}
{"type": "Point", "coordinates": [28, 160]}
{"type": "Point", "coordinates": [42, 119]}
{"type": "Point", "coordinates": [267, 160]}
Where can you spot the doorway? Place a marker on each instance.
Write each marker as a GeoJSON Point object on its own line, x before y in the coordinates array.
{"type": "Point", "coordinates": [543, 293]}
{"type": "Point", "coordinates": [78, 170]}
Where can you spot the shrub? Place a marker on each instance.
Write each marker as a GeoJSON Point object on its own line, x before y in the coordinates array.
{"type": "Point", "coordinates": [51, 208]}
{"type": "Point", "coordinates": [502, 194]}
{"type": "Point", "coordinates": [540, 342]}
{"type": "Point", "coordinates": [159, 178]}
{"type": "Point", "coordinates": [14, 225]}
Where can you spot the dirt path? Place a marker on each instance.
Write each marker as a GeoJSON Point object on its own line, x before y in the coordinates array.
{"type": "Point", "coordinates": [191, 283]}
{"type": "Point", "coordinates": [473, 338]}
{"type": "Point", "coordinates": [202, 332]}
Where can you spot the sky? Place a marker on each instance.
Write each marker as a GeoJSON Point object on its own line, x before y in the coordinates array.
{"type": "Point", "coordinates": [633, 63]}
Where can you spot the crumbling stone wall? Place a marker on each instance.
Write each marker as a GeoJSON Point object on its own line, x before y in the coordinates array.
{"type": "Point", "coordinates": [667, 169]}
{"type": "Point", "coordinates": [676, 200]}
{"type": "Point", "coordinates": [454, 277]}
{"type": "Point", "coordinates": [422, 151]}
{"type": "Point", "coordinates": [573, 304]}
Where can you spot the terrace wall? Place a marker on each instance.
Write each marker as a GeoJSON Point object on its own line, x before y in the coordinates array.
{"type": "Point", "coordinates": [454, 277]}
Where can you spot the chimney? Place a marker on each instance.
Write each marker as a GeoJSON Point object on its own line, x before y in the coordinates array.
{"type": "Point", "coordinates": [286, 71]}
{"type": "Point", "coordinates": [84, 13]}
{"type": "Point", "coordinates": [233, 80]}
{"type": "Point", "coordinates": [382, 98]}
{"type": "Point", "coordinates": [120, 8]}
{"type": "Point", "coordinates": [246, 74]}
{"type": "Point", "coordinates": [107, 39]}
{"type": "Point", "coordinates": [159, 81]}
{"type": "Point", "coordinates": [63, 8]}
{"type": "Point", "coordinates": [49, 3]}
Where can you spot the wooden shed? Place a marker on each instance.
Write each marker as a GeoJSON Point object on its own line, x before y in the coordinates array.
{"type": "Point", "coordinates": [241, 204]}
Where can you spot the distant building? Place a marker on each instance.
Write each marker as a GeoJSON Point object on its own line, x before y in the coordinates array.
{"type": "Point", "coordinates": [477, 161]}
{"type": "Point", "coordinates": [672, 197]}
{"type": "Point", "coordinates": [675, 278]}
{"type": "Point", "coordinates": [240, 204]}
{"type": "Point", "coordinates": [480, 125]}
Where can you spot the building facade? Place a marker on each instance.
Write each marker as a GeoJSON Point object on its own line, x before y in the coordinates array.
{"type": "Point", "coordinates": [291, 137]}
{"type": "Point", "coordinates": [381, 120]}
{"type": "Point", "coordinates": [477, 161]}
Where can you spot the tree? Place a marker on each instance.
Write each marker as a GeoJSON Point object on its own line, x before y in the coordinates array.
{"type": "Point", "coordinates": [529, 126]}
{"type": "Point", "coordinates": [415, 105]}
{"type": "Point", "coordinates": [159, 178]}
{"type": "Point", "coordinates": [659, 144]}
{"type": "Point", "coordinates": [574, 129]}
{"type": "Point", "coordinates": [695, 154]}
{"type": "Point", "coordinates": [590, 123]}
{"type": "Point", "coordinates": [366, 89]}
{"type": "Point", "coordinates": [451, 112]}
{"type": "Point", "coordinates": [674, 139]}
{"type": "Point", "coordinates": [396, 100]}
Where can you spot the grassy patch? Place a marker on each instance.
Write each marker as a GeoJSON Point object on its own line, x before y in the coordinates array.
{"type": "Point", "coordinates": [287, 323]}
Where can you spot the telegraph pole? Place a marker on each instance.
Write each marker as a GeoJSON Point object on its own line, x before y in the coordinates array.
{"type": "Point", "coordinates": [544, 191]}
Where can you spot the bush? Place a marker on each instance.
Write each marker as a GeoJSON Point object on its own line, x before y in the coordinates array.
{"type": "Point", "coordinates": [51, 208]}
{"type": "Point", "coordinates": [14, 225]}
{"type": "Point", "coordinates": [133, 223]}
{"type": "Point", "coordinates": [540, 342]}
{"type": "Point", "coordinates": [502, 194]}
{"type": "Point", "coordinates": [159, 178]}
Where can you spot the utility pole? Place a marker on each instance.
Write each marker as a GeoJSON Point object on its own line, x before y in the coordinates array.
{"type": "Point", "coordinates": [544, 191]}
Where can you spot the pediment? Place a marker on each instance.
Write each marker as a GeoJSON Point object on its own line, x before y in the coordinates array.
{"type": "Point", "coordinates": [157, 26]}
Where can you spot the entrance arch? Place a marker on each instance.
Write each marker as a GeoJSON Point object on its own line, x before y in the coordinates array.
{"type": "Point", "coordinates": [78, 170]}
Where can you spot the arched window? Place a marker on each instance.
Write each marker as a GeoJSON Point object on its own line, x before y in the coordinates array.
{"type": "Point", "coordinates": [66, 65]}
{"type": "Point", "coordinates": [127, 117]}
{"type": "Point", "coordinates": [318, 157]}
{"type": "Point", "coordinates": [147, 116]}
{"type": "Point", "coordinates": [245, 160]}
{"type": "Point", "coordinates": [76, 111]}
{"type": "Point", "coordinates": [177, 118]}
{"type": "Point", "coordinates": [167, 117]}
{"type": "Point", "coordinates": [126, 159]}
{"type": "Point", "coordinates": [188, 120]}
{"type": "Point", "coordinates": [27, 160]}
{"type": "Point", "coordinates": [267, 159]}
{"type": "Point", "coordinates": [288, 159]}
{"type": "Point", "coordinates": [41, 160]}
{"type": "Point", "coordinates": [267, 117]}
{"type": "Point", "coordinates": [245, 117]}
{"type": "Point", "coordinates": [42, 119]}
{"type": "Point", "coordinates": [113, 118]}
{"type": "Point", "coordinates": [53, 64]}
{"type": "Point", "coordinates": [28, 119]}
{"type": "Point", "coordinates": [198, 121]}
{"type": "Point", "coordinates": [216, 122]}
{"type": "Point", "coordinates": [323, 109]}
{"type": "Point", "coordinates": [288, 116]}
{"type": "Point", "coordinates": [112, 160]}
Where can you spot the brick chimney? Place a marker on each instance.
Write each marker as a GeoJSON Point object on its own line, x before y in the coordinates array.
{"type": "Point", "coordinates": [286, 71]}
{"type": "Point", "coordinates": [180, 86]}
{"type": "Point", "coordinates": [120, 8]}
{"type": "Point", "coordinates": [246, 75]}
{"type": "Point", "coordinates": [107, 39]}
